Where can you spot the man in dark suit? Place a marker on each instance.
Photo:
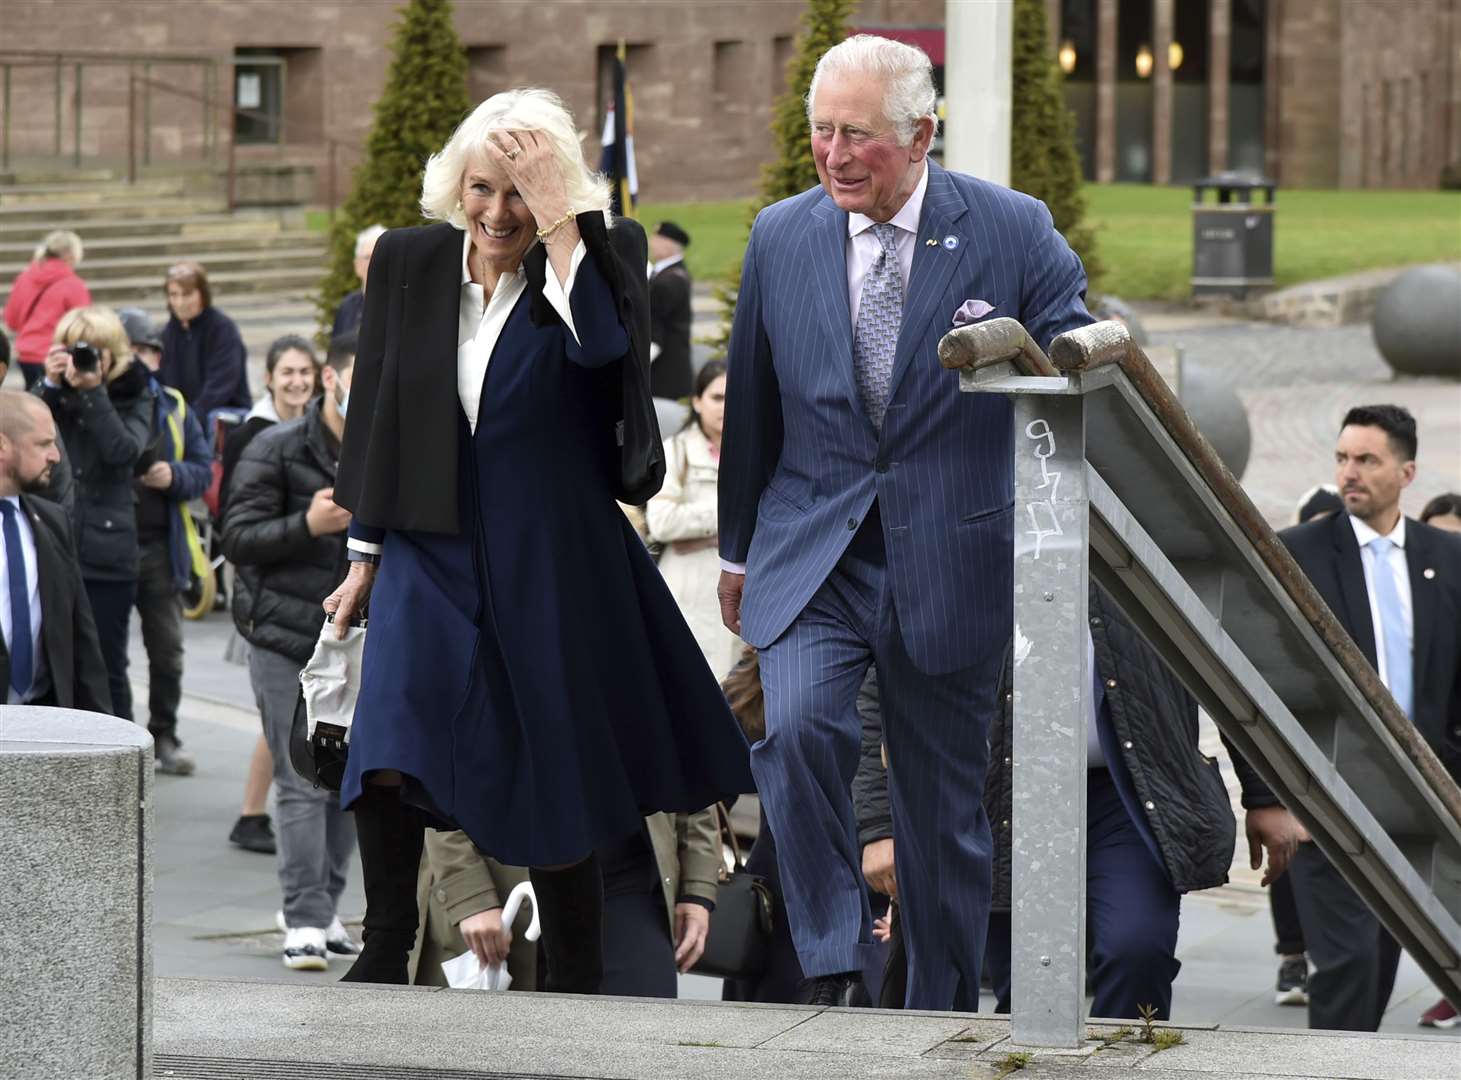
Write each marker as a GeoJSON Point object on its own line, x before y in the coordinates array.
{"type": "Point", "coordinates": [50, 654]}
{"type": "Point", "coordinates": [1395, 585]}
{"type": "Point", "coordinates": [669, 313]}
{"type": "Point", "coordinates": [866, 509]}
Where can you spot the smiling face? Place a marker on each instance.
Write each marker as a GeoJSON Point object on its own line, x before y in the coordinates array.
{"type": "Point", "coordinates": [1370, 474]}
{"type": "Point", "coordinates": [499, 221]}
{"type": "Point", "coordinates": [291, 383]}
{"type": "Point", "coordinates": [856, 148]}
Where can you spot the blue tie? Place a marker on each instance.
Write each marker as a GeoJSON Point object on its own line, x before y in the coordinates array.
{"type": "Point", "coordinates": [22, 660]}
{"type": "Point", "coordinates": [1392, 622]}
{"type": "Point", "coordinates": [879, 318]}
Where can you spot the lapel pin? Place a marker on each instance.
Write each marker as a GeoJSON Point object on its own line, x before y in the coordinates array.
{"type": "Point", "coordinates": [951, 242]}
{"type": "Point", "coordinates": [930, 242]}
{"type": "Point", "coordinates": [1428, 574]}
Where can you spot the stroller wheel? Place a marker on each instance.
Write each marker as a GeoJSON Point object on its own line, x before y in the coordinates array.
{"type": "Point", "coordinates": [198, 599]}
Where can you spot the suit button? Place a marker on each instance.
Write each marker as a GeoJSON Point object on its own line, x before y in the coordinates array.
{"type": "Point", "coordinates": [1110, 684]}
{"type": "Point", "coordinates": [1005, 825]}
{"type": "Point", "coordinates": [1126, 745]}
{"type": "Point", "coordinates": [1150, 805]}
{"type": "Point", "coordinates": [851, 524]}
{"type": "Point", "coordinates": [1095, 620]}
{"type": "Point", "coordinates": [881, 466]}
{"type": "Point", "coordinates": [1006, 761]}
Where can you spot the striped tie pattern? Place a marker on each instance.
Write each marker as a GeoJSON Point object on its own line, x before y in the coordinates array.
{"type": "Point", "coordinates": [879, 318]}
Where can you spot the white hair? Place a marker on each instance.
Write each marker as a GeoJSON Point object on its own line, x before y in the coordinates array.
{"type": "Point", "coordinates": [529, 109]}
{"type": "Point", "coordinates": [905, 71]}
{"type": "Point", "coordinates": [365, 239]}
{"type": "Point", "coordinates": [59, 244]}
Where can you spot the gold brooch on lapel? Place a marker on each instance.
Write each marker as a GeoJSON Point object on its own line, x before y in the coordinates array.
{"type": "Point", "coordinates": [930, 242]}
{"type": "Point", "coordinates": [1428, 573]}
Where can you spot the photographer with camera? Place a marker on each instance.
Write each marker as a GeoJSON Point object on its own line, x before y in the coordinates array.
{"type": "Point", "coordinates": [100, 397]}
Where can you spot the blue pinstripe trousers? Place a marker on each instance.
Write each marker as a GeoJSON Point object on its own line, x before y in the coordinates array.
{"type": "Point", "coordinates": [936, 730]}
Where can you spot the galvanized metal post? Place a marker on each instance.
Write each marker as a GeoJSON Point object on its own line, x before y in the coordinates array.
{"type": "Point", "coordinates": [1053, 692]}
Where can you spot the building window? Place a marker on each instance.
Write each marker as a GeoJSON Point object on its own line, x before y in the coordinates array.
{"type": "Point", "coordinates": [727, 71]}
{"type": "Point", "coordinates": [1245, 87]}
{"type": "Point", "coordinates": [278, 96]}
{"type": "Point", "coordinates": [781, 53]}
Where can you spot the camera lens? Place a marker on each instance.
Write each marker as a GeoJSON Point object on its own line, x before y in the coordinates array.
{"type": "Point", "coordinates": [84, 357]}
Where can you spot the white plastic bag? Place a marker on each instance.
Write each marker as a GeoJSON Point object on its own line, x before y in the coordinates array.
{"type": "Point", "coordinates": [466, 973]}
{"type": "Point", "coordinates": [331, 679]}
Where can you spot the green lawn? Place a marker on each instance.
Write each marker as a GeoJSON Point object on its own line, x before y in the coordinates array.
{"type": "Point", "coordinates": [1145, 234]}
{"type": "Point", "coordinates": [717, 231]}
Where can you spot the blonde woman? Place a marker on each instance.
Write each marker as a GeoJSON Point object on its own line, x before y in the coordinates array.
{"type": "Point", "coordinates": [41, 293]}
{"type": "Point", "coordinates": [101, 397]}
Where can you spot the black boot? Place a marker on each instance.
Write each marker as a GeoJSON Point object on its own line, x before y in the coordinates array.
{"type": "Point", "coordinates": [391, 835]}
{"type": "Point", "coordinates": [571, 914]}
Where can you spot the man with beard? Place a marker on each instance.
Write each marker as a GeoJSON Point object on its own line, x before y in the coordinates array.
{"type": "Point", "coordinates": [50, 654]}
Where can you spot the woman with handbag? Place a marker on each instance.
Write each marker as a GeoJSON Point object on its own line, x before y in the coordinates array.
{"type": "Point", "coordinates": [682, 517]}
{"type": "Point", "coordinates": [527, 676]}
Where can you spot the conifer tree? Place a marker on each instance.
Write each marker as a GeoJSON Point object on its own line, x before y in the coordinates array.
{"type": "Point", "coordinates": [824, 24]}
{"type": "Point", "coordinates": [424, 99]}
{"type": "Point", "coordinates": [1043, 158]}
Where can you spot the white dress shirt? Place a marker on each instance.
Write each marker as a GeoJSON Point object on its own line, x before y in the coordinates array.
{"type": "Point", "coordinates": [863, 248]}
{"type": "Point", "coordinates": [1401, 571]}
{"type": "Point", "coordinates": [655, 269]}
{"type": "Point", "coordinates": [480, 321]}
{"type": "Point", "coordinates": [33, 585]}
{"type": "Point", "coordinates": [862, 251]}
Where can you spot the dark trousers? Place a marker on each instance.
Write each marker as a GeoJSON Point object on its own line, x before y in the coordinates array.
{"type": "Point", "coordinates": [639, 955]}
{"type": "Point", "coordinates": [33, 373]}
{"type": "Point", "coordinates": [936, 729]}
{"type": "Point", "coordinates": [1131, 915]}
{"type": "Point", "coordinates": [161, 612]}
{"type": "Point", "coordinates": [1288, 933]}
{"type": "Point", "coordinates": [111, 607]}
{"type": "Point", "coordinates": [1354, 957]}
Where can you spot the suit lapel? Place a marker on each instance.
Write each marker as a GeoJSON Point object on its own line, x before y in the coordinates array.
{"type": "Point", "coordinates": [826, 240]}
{"type": "Point", "coordinates": [933, 269]}
{"type": "Point", "coordinates": [53, 574]}
{"type": "Point", "coordinates": [1351, 574]}
{"type": "Point", "coordinates": [1418, 556]}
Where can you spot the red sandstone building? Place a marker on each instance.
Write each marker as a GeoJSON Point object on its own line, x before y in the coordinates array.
{"type": "Point", "coordinates": [1318, 93]}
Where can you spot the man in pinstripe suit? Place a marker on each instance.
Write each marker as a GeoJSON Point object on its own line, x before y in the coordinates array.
{"type": "Point", "coordinates": [866, 504]}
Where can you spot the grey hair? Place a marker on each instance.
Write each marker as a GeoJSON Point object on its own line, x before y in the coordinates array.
{"type": "Point", "coordinates": [367, 237]}
{"type": "Point", "coordinates": [530, 109]}
{"type": "Point", "coordinates": [905, 71]}
{"type": "Point", "coordinates": [57, 244]}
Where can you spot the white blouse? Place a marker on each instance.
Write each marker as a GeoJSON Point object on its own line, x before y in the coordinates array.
{"type": "Point", "coordinates": [480, 321]}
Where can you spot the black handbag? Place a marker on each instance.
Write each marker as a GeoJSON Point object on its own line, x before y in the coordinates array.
{"type": "Point", "coordinates": [740, 927]}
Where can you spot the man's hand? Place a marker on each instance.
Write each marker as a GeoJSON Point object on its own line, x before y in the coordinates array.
{"type": "Point", "coordinates": [1275, 829]}
{"type": "Point", "coordinates": [692, 926]}
{"type": "Point", "coordinates": [729, 592]}
{"type": "Point", "coordinates": [324, 517]}
{"type": "Point", "coordinates": [877, 867]}
{"type": "Point", "coordinates": [158, 476]}
{"type": "Point", "coordinates": [351, 597]}
{"type": "Point", "coordinates": [487, 937]}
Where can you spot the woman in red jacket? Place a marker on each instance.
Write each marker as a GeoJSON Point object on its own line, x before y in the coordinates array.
{"type": "Point", "coordinates": [43, 292]}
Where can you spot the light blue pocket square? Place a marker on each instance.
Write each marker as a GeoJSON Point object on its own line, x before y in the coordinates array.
{"type": "Point", "coordinates": [971, 311]}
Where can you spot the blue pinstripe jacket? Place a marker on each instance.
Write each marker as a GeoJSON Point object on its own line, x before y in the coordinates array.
{"type": "Point", "coordinates": [801, 462]}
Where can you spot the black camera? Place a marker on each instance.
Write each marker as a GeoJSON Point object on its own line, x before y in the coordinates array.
{"type": "Point", "coordinates": [84, 357]}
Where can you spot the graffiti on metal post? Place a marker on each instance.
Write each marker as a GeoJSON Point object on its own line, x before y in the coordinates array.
{"type": "Point", "coordinates": [1038, 430]}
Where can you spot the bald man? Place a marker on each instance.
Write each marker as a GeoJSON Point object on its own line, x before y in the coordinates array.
{"type": "Point", "coordinates": [49, 654]}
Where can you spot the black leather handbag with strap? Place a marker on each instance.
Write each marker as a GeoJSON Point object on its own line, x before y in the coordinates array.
{"type": "Point", "coordinates": [740, 928]}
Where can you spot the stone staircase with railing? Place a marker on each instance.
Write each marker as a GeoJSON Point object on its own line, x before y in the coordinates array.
{"type": "Point", "coordinates": [264, 265]}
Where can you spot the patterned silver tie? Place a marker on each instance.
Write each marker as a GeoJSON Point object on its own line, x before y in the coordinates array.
{"type": "Point", "coordinates": [879, 317]}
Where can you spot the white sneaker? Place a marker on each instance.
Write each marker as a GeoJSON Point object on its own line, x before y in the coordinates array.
{"type": "Point", "coordinates": [337, 938]}
{"type": "Point", "coordinates": [304, 949]}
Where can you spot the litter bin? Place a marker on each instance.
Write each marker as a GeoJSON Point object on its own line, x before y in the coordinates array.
{"type": "Point", "coordinates": [1232, 238]}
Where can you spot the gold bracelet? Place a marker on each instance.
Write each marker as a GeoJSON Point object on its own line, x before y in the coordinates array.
{"type": "Point", "coordinates": [543, 234]}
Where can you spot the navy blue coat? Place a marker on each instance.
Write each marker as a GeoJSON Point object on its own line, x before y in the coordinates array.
{"type": "Point", "coordinates": [528, 672]}
{"type": "Point", "coordinates": [802, 463]}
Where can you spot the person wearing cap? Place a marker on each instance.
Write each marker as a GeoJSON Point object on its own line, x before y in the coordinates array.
{"type": "Point", "coordinates": [669, 313]}
{"type": "Point", "coordinates": [175, 467]}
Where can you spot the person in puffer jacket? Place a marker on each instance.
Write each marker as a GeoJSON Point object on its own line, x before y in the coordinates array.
{"type": "Point", "coordinates": [286, 537]}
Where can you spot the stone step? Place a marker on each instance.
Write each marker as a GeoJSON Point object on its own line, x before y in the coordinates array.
{"type": "Point", "coordinates": [22, 177]}
{"type": "Point", "coordinates": [243, 237]}
{"type": "Point", "coordinates": [68, 214]}
{"type": "Point", "coordinates": [96, 271]}
{"type": "Point", "coordinates": [82, 193]}
{"type": "Point", "coordinates": [144, 290]}
{"type": "Point", "coordinates": [243, 223]}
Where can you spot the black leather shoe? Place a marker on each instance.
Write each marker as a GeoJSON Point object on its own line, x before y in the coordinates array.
{"type": "Point", "coordinates": [252, 833]}
{"type": "Point", "coordinates": [828, 991]}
